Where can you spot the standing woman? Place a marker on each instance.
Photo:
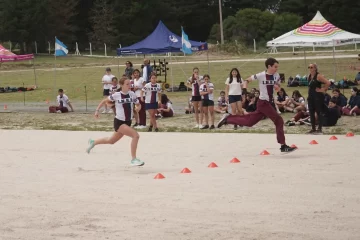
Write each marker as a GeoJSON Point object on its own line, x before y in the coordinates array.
{"type": "Point", "coordinates": [152, 92]}
{"type": "Point", "coordinates": [316, 97]}
{"type": "Point", "coordinates": [233, 92]}
{"type": "Point", "coordinates": [207, 95]}
{"type": "Point", "coordinates": [124, 103]}
{"type": "Point", "coordinates": [139, 83]}
{"type": "Point", "coordinates": [194, 83]}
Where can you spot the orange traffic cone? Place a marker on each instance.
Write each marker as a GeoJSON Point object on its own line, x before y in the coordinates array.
{"type": "Point", "coordinates": [235, 160]}
{"type": "Point", "coordinates": [350, 134]}
{"type": "Point", "coordinates": [159, 176]}
{"type": "Point", "coordinates": [333, 138]}
{"type": "Point", "coordinates": [213, 165]}
{"type": "Point", "coordinates": [294, 146]}
{"type": "Point", "coordinates": [185, 170]}
{"type": "Point", "coordinates": [5, 107]}
{"type": "Point", "coordinates": [313, 142]}
{"type": "Point", "coordinates": [264, 153]}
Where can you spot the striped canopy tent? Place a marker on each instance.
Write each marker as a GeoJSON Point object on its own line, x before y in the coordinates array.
{"type": "Point", "coordinates": [318, 32]}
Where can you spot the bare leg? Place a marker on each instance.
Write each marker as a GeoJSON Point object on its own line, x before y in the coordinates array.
{"type": "Point", "coordinates": [206, 114]}
{"type": "Point", "coordinates": [109, 140]}
{"type": "Point", "coordinates": [196, 108]}
{"type": "Point", "coordinates": [130, 132]}
{"type": "Point", "coordinates": [233, 108]}
{"type": "Point", "coordinates": [211, 111]}
{"type": "Point", "coordinates": [238, 108]}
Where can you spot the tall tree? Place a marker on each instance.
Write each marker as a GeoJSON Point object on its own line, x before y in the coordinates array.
{"type": "Point", "coordinates": [102, 19]}
{"type": "Point", "coordinates": [22, 21]}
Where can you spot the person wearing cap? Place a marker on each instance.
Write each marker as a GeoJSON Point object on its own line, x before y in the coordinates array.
{"type": "Point", "coordinates": [107, 86]}
{"type": "Point", "coordinates": [128, 69]}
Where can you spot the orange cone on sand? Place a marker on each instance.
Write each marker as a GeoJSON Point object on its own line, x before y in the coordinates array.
{"type": "Point", "coordinates": [159, 176]}
{"type": "Point", "coordinates": [185, 170]}
{"type": "Point", "coordinates": [313, 142]}
{"type": "Point", "coordinates": [333, 138]}
{"type": "Point", "coordinates": [213, 165]}
{"type": "Point", "coordinates": [350, 134]}
{"type": "Point", "coordinates": [5, 107]}
{"type": "Point", "coordinates": [264, 153]}
{"type": "Point", "coordinates": [235, 160]}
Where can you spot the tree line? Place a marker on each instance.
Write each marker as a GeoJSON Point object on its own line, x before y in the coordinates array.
{"type": "Point", "coordinates": [125, 22]}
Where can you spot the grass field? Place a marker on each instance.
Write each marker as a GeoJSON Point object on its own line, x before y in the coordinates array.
{"type": "Point", "coordinates": [73, 73]}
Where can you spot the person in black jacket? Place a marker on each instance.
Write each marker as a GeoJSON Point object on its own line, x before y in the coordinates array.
{"type": "Point", "coordinates": [331, 114]}
{"type": "Point", "coordinates": [318, 85]}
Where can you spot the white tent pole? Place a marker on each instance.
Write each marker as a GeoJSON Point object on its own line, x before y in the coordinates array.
{"type": "Point", "coordinates": [305, 60]}
{"type": "Point", "coordinates": [171, 70]}
{"type": "Point", "coordinates": [334, 62]}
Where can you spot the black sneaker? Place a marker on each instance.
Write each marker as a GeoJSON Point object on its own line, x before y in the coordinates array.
{"type": "Point", "coordinates": [287, 122]}
{"type": "Point", "coordinates": [290, 124]}
{"type": "Point", "coordinates": [156, 129]}
{"type": "Point", "coordinates": [312, 131]}
{"type": "Point", "coordinates": [150, 129]}
{"type": "Point", "coordinates": [135, 125]}
{"type": "Point", "coordinates": [223, 120]}
{"type": "Point", "coordinates": [318, 132]}
{"type": "Point", "coordinates": [205, 127]}
{"type": "Point", "coordinates": [286, 149]}
{"type": "Point", "coordinates": [235, 127]}
{"type": "Point", "coordinates": [212, 127]}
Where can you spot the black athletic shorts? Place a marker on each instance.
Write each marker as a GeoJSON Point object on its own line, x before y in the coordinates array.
{"type": "Point", "coordinates": [207, 103]}
{"type": "Point", "coordinates": [118, 123]}
{"type": "Point", "coordinates": [106, 92]}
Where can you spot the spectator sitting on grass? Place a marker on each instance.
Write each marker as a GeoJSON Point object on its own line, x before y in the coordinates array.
{"type": "Point", "coordinates": [63, 102]}
{"type": "Point", "coordinates": [165, 109]}
{"type": "Point", "coordinates": [221, 104]}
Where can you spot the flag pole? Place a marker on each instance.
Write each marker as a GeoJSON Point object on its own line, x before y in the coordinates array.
{"type": "Point", "coordinates": [55, 70]}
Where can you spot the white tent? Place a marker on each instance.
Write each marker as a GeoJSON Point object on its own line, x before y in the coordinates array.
{"type": "Point", "coordinates": [318, 32]}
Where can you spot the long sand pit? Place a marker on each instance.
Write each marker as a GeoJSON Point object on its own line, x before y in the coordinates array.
{"type": "Point", "coordinates": [51, 189]}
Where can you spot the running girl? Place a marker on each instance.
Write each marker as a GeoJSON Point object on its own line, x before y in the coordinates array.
{"type": "Point", "coordinates": [194, 83]}
{"type": "Point", "coordinates": [207, 95]}
{"type": "Point", "coordinates": [124, 103]}
{"type": "Point", "coordinates": [152, 92]}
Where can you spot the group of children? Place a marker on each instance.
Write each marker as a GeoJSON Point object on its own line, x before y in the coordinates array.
{"type": "Point", "coordinates": [150, 97]}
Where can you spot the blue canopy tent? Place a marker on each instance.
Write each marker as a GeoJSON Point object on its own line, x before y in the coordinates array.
{"type": "Point", "coordinates": [161, 40]}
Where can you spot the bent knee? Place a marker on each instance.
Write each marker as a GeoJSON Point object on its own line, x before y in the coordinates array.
{"type": "Point", "coordinates": [136, 135]}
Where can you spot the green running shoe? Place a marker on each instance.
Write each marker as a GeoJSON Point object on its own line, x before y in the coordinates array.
{"type": "Point", "coordinates": [91, 145]}
{"type": "Point", "coordinates": [137, 162]}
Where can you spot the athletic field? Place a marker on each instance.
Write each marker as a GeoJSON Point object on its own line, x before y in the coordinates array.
{"type": "Point", "coordinates": [51, 189]}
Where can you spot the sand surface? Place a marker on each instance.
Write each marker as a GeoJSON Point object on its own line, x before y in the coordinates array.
{"type": "Point", "coordinates": [51, 189]}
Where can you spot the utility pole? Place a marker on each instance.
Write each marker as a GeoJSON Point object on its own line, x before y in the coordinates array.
{"type": "Point", "coordinates": [221, 23]}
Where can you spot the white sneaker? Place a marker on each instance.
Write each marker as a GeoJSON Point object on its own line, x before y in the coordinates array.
{"type": "Point", "coordinates": [103, 111]}
{"type": "Point", "coordinates": [196, 126]}
{"type": "Point", "coordinates": [201, 126]}
{"type": "Point", "coordinates": [110, 111]}
{"type": "Point", "coordinates": [141, 127]}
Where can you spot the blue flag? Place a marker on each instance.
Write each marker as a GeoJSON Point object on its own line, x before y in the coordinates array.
{"type": "Point", "coordinates": [186, 45]}
{"type": "Point", "coordinates": [60, 48]}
